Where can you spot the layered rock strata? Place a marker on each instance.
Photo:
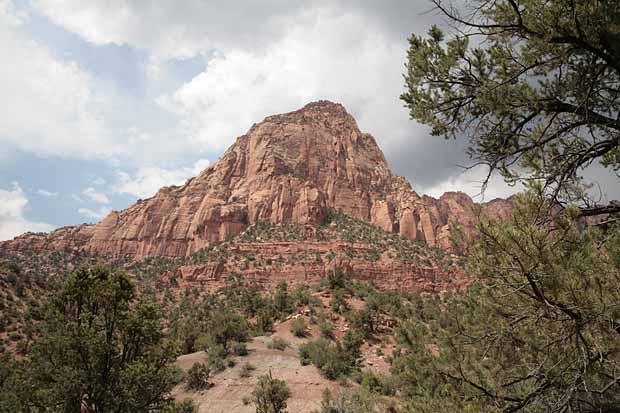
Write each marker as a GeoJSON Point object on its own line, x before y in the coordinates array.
{"type": "Point", "coordinates": [292, 168]}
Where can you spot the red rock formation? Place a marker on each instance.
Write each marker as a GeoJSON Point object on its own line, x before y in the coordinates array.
{"type": "Point", "coordinates": [295, 263]}
{"type": "Point", "coordinates": [290, 168]}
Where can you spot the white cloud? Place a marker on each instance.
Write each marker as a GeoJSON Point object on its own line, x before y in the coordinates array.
{"type": "Point", "coordinates": [169, 28]}
{"type": "Point", "coordinates": [327, 55]}
{"type": "Point", "coordinates": [148, 179]}
{"type": "Point", "coordinates": [48, 104]}
{"type": "Point", "coordinates": [13, 204]}
{"type": "Point", "coordinates": [470, 182]}
{"type": "Point", "coordinates": [95, 196]}
{"type": "Point", "coordinates": [46, 193]}
{"type": "Point", "coordinates": [98, 214]}
{"type": "Point", "coordinates": [99, 181]}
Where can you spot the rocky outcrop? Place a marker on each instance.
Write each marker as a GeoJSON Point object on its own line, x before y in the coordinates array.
{"type": "Point", "coordinates": [291, 168]}
{"type": "Point", "coordinates": [309, 262]}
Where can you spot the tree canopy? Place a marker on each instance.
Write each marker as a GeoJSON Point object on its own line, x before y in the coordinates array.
{"type": "Point", "coordinates": [100, 350]}
{"type": "Point", "coordinates": [538, 331]}
{"type": "Point", "coordinates": [534, 85]}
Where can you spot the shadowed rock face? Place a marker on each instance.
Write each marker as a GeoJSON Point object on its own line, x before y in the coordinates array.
{"type": "Point", "coordinates": [290, 168]}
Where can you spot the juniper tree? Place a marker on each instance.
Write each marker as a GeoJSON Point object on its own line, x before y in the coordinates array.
{"type": "Point", "coordinates": [101, 349]}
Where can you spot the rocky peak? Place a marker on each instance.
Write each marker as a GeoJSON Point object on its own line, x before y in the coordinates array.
{"type": "Point", "coordinates": [296, 167]}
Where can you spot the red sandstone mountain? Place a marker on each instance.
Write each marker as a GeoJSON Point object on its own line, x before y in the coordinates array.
{"type": "Point", "coordinates": [291, 168]}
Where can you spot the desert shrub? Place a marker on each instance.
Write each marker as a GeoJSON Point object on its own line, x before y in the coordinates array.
{"type": "Point", "coordinates": [353, 403]}
{"type": "Point", "coordinates": [326, 329]}
{"type": "Point", "coordinates": [117, 361]}
{"type": "Point", "coordinates": [240, 349]}
{"type": "Point", "coordinates": [217, 365]}
{"type": "Point", "coordinates": [187, 333]}
{"type": "Point", "coordinates": [336, 279]}
{"type": "Point", "coordinates": [277, 344]}
{"type": "Point", "coordinates": [313, 352]}
{"type": "Point", "coordinates": [198, 377]}
{"type": "Point", "coordinates": [217, 357]}
{"type": "Point", "coordinates": [298, 327]}
{"type": "Point", "coordinates": [246, 370]}
{"type": "Point", "coordinates": [301, 295]}
{"type": "Point", "coordinates": [243, 295]}
{"type": "Point", "coordinates": [364, 321]}
{"type": "Point", "coordinates": [264, 320]}
{"type": "Point", "coordinates": [22, 347]}
{"type": "Point", "coordinates": [374, 383]}
{"type": "Point", "coordinates": [282, 301]}
{"type": "Point", "coordinates": [334, 361]}
{"type": "Point", "coordinates": [185, 406]}
{"type": "Point", "coordinates": [270, 395]}
{"type": "Point", "coordinates": [338, 303]}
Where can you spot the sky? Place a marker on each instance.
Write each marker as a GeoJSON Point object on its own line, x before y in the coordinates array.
{"type": "Point", "coordinates": [105, 101]}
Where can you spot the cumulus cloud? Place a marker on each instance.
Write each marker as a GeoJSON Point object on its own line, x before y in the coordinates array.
{"type": "Point", "coordinates": [148, 179]}
{"type": "Point", "coordinates": [172, 29]}
{"type": "Point", "coordinates": [13, 205]}
{"type": "Point", "coordinates": [49, 108]}
{"type": "Point", "coordinates": [46, 193]}
{"type": "Point", "coordinates": [95, 196]}
{"type": "Point", "coordinates": [96, 214]}
{"type": "Point", "coordinates": [99, 181]}
{"type": "Point", "coordinates": [326, 55]}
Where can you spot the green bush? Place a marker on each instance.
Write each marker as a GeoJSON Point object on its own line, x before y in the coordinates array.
{"type": "Point", "coordinates": [247, 369]}
{"type": "Point", "coordinates": [278, 344]}
{"type": "Point", "coordinates": [353, 403]}
{"type": "Point", "coordinates": [270, 395]}
{"type": "Point", "coordinates": [240, 349]}
{"type": "Point", "coordinates": [313, 352]}
{"type": "Point", "coordinates": [264, 320]}
{"type": "Point", "coordinates": [198, 377]}
{"type": "Point", "coordinates": [217, 356]}
{"type": "Point", "coordinates": [336, 279]}
{"type": "Point", "coordinates": [186, 406]}
{"type": "Point", "coordinates": [334, 361]}
{"type": "Point", "coordinates": [301, 295]}
{"type": "Point", "coordinates": [298, 327]}
{"type": "Point", "coordinates": [364, 321]}
{"type": "Point", "coordinates": [326, 329]}
{"type": "Point", "coordinates": [338, 303]}
{"type": "Point", "coordinates": [282, 301]}
{"type": "Point", "coordinates": [227, 326]}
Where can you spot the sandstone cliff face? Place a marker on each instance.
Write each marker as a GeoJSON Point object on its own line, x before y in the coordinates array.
{"type": "Point", "coordinates": [291, 168]}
